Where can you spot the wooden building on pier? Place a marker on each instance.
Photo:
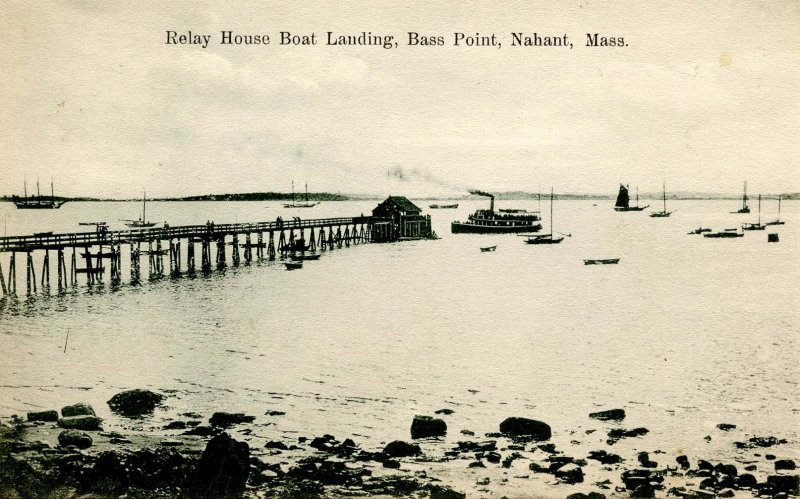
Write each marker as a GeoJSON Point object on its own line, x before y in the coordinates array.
{"type": "Point", "coordinates": [397, 219]}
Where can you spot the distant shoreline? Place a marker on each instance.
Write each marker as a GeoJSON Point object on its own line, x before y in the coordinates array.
{"type": "Point", "coordinates": [506, 196]}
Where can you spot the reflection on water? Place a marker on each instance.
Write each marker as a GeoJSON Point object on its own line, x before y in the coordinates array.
{"type": "Point", "coordinates": [684, 333]}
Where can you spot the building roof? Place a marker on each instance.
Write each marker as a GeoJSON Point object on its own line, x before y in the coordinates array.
{"type": "Point", "coordinates": [400, 202]}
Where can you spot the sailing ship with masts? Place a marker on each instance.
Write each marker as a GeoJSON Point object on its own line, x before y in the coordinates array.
{"type": "Point", "coordinates": [744, 208]}
{"type": "Point", "coordinates": [294, 204]}
{"type": "Point", "coordinates": [546, 238]}
{"type": "Point", "coordinates": [778, 220]}
{"type": "Point", "coordinates": [142, 222]}
{"type": "Point", "coordinates": [623, 200]}
{"type": "Point", "coordinates": [758, 225]}
{"type": "Point", "coordinates": [492, 222]}
{"type": "Point", "coordinates": [663, 213]}
{"type": "Point", "coordinates": [38, 202]}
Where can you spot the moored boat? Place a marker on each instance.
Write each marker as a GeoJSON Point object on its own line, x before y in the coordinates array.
{"type": "Point", "coordinates": [623, 200]}
{"type": "Point", "coordinates": [601, 261]}
{"type": "Point", "coordinates": [301, 257]}
{"type": "Point", "coordinates": [663, 213]}
{"type": "Point", "coordinates": [491, 222]}
{"type": "Point", "coordinates": [725, 234]}
{"type": "Point", "coordinates": [757, 225]}
{"type": "Point", "coordinates": [744, 208]}
{"type": "Point", "coordinates": [142, 222]}
{"type": "Point", "coordinates": [778, 220]}
{"type": "Point", "coordinates": [293, 265]}
{"type": "Point", "coordinates": [38, 202]}
{"type": "Point", "coordinates": [546, 238]}
{"type": "Point", "coordinates": [700, 230]}
{"type": "Point", "coordinates": [443, 206]}
{"type": "Point", "coordinates": [488, 248]}
{"type": "Point", "coordinates": [305, 204]}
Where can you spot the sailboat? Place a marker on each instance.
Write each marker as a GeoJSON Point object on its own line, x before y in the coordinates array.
{"type": "Point", "coordinates": [546, 238]}
{"type": "Point", "coordinates": [758, 225]}
{"type": "Point", "coordinates": [39, 202]}
{"type": "Point", "coordinates": [778, 220]}
{"type": "Point", "coordinates": [664, 212]}
{"type": "Point", "coordinates": [744, 208]}
{"type": "Point", "coordinates": [623, 202]}
{"type": "Point", "coordinates": [295, 204]}
{"type": "Point", "coordinates": [142, 222]}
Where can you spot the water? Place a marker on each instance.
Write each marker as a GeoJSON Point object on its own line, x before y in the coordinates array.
{"type": "Point", "coordinates": [686, 332]}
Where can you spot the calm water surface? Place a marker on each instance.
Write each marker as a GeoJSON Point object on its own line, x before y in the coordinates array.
{"type": "Point", "coordinates": [684, 333]}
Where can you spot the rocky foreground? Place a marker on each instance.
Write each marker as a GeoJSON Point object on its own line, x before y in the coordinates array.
{"type": "Point", "coordinates": [66, 454]}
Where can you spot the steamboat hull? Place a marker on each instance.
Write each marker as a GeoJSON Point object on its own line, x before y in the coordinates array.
{"type": "Point", "coordinates": [467, 228]}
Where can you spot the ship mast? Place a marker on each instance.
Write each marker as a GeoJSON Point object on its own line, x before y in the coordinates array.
{"type": "Point", "coordinates": [551, 212]}
{"type": "Point", "coordinates": [664, 186]}
{"type": "Point", "coordinates": [744, 196]}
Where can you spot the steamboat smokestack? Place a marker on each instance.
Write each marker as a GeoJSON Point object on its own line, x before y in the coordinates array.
{"type": "Point", "coordinates": [491, 196]}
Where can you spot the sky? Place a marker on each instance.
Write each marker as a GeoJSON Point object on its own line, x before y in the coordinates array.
{"type": "Point", "coordinates": [704, 96]}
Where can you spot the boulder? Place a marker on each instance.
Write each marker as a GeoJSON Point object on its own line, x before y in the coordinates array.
{"type": "Point", "coordinates": [604, 457]}
{"type": "Point", "coordinates": [785, 464]}
{"type": "Point", "coordinates": [85, 423]}
{"type": "Point", "coordinates": [79, 439]}
{"type": "Point", "coordinates": [683, 461]}
{"type": "Point", "coordinates": [569, 473]}
{"type": "Point", "coordinates": [223, 468]}
{"type": "Point", "coordinates": [398, 448]}
{"type": "Point", "coordinates": [609, 415]}
{"type": "Point", "coordinates": [790, 484]}
{"type": "Point", "coordinates": [43, 416]}
{"type": "Point", "coordinates": [391, 464]}
{"type": "Point", "coordinates": [426, 426]}
{"type": "Point", "coordinates": [746, 480]}
{"type": "Point", "coordinates": [644, 460]}
{"type": "Point", "coordinates": [726, 426]}
{"type": "Point", "coordinates": [442, 492]}
{"type": "Point", "coordinates": [524, 428]}
{"type": "Point", "coordinates": [726, 469]}
{"type": "Point", "coordinates": [446, 412]}
{"type": "Point", "coordinates": [80, 409]}
{"type": "Point", "coordinates": [226, 419]}
{"type": "Point", "coordinates": [135, 402]}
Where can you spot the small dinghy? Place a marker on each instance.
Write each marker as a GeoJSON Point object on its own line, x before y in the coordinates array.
{"type": "Point", "coordinates": [602, 261]}
{"type": "Point", "coordinates": [489, 248]}
{"type": "Point", "coordinates": [293, 265]}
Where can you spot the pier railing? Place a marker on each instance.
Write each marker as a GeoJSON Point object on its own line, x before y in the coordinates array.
{"type": "Point", "coordinates": [209, 230]}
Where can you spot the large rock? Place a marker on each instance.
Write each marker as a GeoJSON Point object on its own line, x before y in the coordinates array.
{"type": "Point", "coordinates": [789, 484]}
{"type": "Point", "coordinates": [226, 419]}
{"type": "Point", "coordinates": [398, 448]}
{"type": "Point", "coordinates": [426, 426]}
{"type": "Point", "coordinates": [80, 409]}
{"type": "Point", "coordinates": [135, 402]}
{"type": "Point", "coordinates": [79, 439]}
{"type": "Point", "coordinates": [569, 473]}
{"type": "Point", "coordinates": [223, 469]}
{"type": "Point", "coordinates": [609, 415]}
{"type": "Point", "coordinates": [524, 428]}
{"type": "Point", "coordinates": [85, 423]}
{"type": "Point", "coordinates": [43, 416]}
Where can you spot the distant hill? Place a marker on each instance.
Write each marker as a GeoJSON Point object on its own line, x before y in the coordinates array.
{"type": "Point", "coordinates": [249, 196]}
{"type": "Point", "coordinates": [506, 195]}
{"type": "Point", "coordinates": [261, 196]}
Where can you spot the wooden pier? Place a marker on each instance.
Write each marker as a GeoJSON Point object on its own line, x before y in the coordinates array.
{"type": "Point", "coordinates": [101, 252]}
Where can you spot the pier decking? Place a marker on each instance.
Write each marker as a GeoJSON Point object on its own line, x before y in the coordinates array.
{"type": "Point", "coordinates": [94, 248]}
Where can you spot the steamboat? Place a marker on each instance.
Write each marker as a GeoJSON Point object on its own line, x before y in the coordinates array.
{"type": "Point", "coordinates": [491, 222]}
